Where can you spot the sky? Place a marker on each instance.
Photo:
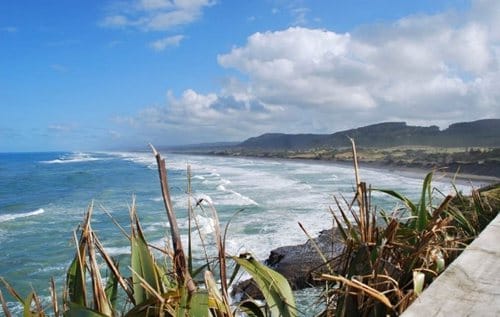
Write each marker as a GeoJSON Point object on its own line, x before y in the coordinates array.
{"type": "Point", "coordinates": [119, 74]}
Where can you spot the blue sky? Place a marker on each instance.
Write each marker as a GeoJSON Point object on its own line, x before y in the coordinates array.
{"type": "Point", "coordinates": [84, 75]}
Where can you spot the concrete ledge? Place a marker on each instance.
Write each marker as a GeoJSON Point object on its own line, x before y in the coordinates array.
{"type": "Point", "coordinates": [470, 286]}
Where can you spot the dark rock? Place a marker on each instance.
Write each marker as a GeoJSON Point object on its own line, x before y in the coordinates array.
{"type": "Point", "coordinates": [299, 264]}
{"type": "Point", "coordinates": [246, 289]}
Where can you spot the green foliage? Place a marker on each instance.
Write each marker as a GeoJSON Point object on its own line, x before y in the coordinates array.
{"type": "Point", "coordinates": [143, 265]}
{"type": "Point", "coordinates": [273, 285]}
{"type": "Point", "coordinates": [385, 267]}
{"type": "Point", "coordinates": [420, 214]}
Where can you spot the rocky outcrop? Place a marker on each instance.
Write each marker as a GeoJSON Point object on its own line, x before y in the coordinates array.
{"type": "Point", "coordinates": [299, 264]}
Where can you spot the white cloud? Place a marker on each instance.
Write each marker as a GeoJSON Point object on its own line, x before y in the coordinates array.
{"type": "Point", "coordinates": [195, 117]}
{"type": "Point", "coordinates": [154, 15]}
{"type": "Point", "coordinates": [299, 15]}
{"type": "Point", "coordinates": [302, 67]}
{"type": "Point", "coordinates": [417, 68]}
{"type": "Point", "coordinates": [116, 21]}
{"type": "Point", "coordinates": [162, 44]}
{"type": "Point", "coordinates": [154, 4]}
{"type": "Point", "coordinates": [433, 69]}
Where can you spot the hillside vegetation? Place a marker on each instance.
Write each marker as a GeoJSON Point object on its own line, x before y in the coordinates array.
{"type": "Point", "coordinates": [481, 133]}
{"type": "Point", "coordinates": [467, 147]}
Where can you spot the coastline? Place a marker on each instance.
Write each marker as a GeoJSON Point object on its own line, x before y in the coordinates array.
{"type": "Point", "coordinates": [477, 180]}
{"type": "Point", "coordinates": [443, 172]}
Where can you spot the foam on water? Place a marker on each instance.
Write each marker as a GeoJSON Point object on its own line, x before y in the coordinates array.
{"type": "Point", "coordinates": [206, 225]}
{"type": "Point", "coordinates": [51, 268]}
{"type": "Point", "coordinates": [154, 227]}
{"type": "Point", "coordinates": [115, 251]}
{"type": "Point", "coordinates": [242, 199]}
{"type": "Point", "coordinates": [9, 217]}
{"type": "Point", "coordinates": [237, 199]}
{"type": "Point", "coordinates": [205, 199]}
{"type": "Point", "coordinates": [160, 243]}
{"type": "Point", "coordinates": [146, 159]}
{"type": "Point", "coordinates": [73, 158]}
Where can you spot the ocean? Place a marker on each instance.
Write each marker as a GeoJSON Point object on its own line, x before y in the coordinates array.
{"type": "Point", "coordinates": [43, 197]}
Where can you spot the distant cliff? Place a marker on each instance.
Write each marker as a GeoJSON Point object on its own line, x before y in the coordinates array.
{"type": "Point", "coordinates": [485, 133]}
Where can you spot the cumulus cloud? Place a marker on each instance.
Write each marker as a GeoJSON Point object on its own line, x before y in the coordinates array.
{"type": "Point", "coordinates": [162, 44]}
{"type": "Point", "coordinates": [154, 15]}
{"type": "Point", "coordinates": [195, 117]}
{"type": "Point", "coordinates": [418, 68]}
{"type": "Point", "coordinates": [303, 67]}
{"type": "Point", "coordinates": [423, 69]}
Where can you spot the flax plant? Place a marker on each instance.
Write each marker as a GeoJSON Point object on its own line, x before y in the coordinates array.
{"type": "Point", "coordinates": [389, 258]}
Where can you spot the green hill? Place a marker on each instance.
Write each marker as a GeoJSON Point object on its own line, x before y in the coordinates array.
{"type": "Point", "coordinates": [481, 133]}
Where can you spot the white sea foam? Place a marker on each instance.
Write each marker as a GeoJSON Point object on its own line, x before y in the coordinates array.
{"type": "Point", "coordinates": [160, 243]}
{"type": "Point", "coordinates": [205, 199]}
{"type": "Point", "coordinates": [136, 157]}
{"type": "Point", "coordinates": [206, 225]}
{"type": "Point", "coordinates": [8, 217]}
{"type": "Point", "coordinates": [286, 194]}
{"type": "Point", "coordinates": [148, 160]}
{"type": "Point", "coordinates": [51, 268]}
{"type": "Point", "coordinates": [73, 158]}
{"type": "Point", "coordinates": [243, 198]}
{"type": "Point", "coordinates": [114, 251]}
{"type": "Point", "coordinates": [273, 229]}
{"type": "Point", "coordinates": [154, 227]}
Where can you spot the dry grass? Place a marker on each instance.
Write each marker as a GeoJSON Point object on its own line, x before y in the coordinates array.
{"type": "Point", "coordinates": [390, 258]}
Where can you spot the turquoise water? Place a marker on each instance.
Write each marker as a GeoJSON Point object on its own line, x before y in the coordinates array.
{"type": "Point", "coordinates": [43, 197]}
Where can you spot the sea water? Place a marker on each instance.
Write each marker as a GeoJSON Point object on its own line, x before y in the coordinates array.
{"type": "Point", "coordinates": [43, 197]}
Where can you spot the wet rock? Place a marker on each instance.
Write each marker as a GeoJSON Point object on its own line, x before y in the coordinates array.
{"type": "Point", "coordinates": [299, 264]}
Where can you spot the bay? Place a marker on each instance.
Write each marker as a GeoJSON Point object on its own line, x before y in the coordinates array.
{"type": "Point", "coordinates": [43, 197]}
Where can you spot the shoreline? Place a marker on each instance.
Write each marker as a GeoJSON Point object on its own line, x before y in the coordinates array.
{"type": "Point", "coordinates": [411, 171]}
{"type": "Point", "coordinates": [463, 178]}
